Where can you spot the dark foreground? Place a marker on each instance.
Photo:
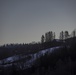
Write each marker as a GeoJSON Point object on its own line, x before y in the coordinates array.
{"type": "Point", "coordinates": [58, 62]}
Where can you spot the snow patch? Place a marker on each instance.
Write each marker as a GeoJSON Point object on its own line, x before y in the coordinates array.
{"type": "Point", "coordinates": [30, 61]}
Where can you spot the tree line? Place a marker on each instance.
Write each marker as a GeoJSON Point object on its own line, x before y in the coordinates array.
{"type": "Point", "coordinates": [49, 36]}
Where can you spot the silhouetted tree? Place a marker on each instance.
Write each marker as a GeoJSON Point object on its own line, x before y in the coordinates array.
{"type": "Point", "coordinates": [74, 33]}
{"type": "Point", "coordinates": [54, 35]}
{"type": "Point", "coordinates": [46, 37]}
{"type": "Point", "coordinates": [42, 39]}
{"type": "Point", "coordinates": [66, 34]}
{"type": "Point", "coordinates": [61, 35]}
{"type": "Point", "coordinates": [49, 36]}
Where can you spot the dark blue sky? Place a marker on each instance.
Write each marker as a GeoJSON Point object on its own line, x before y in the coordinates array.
{"type": "Point", "coordinates": [24, 21]}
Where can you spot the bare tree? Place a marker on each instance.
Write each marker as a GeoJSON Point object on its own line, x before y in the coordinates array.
{"type": "Point", "coordinates": [42, 39]}
{"type": "Point", "coordinates": [61, 35]}
{"type": "Point", "coordinates": [54, 35]}
{"type": "Point", "coordinates": [46, 37]}
{"type": "Point", "coordinates": [66, 34]}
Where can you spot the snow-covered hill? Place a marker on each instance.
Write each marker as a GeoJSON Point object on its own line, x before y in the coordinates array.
{"type": "Point", "coordinates": [29, 62]}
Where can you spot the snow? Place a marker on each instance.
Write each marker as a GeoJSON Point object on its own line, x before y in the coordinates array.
{"type": "Point", "coordinates": [30, 61]}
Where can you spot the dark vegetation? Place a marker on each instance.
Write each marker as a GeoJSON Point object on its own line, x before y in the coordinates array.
{"type": "Point", "coordinates": [59, 62]}
{"type": "Point", "coordinates": [15, 49]}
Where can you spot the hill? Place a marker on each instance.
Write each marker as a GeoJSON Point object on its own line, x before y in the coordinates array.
{"type": "Point", "coordinates": [51, 58]}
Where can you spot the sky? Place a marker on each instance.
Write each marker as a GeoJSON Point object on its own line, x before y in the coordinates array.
{"type": "Point", "coordinates": [24, 21]}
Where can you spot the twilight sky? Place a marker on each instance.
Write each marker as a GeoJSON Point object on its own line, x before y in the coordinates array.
{"type": "Point", "coordinates": [24, 21]}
